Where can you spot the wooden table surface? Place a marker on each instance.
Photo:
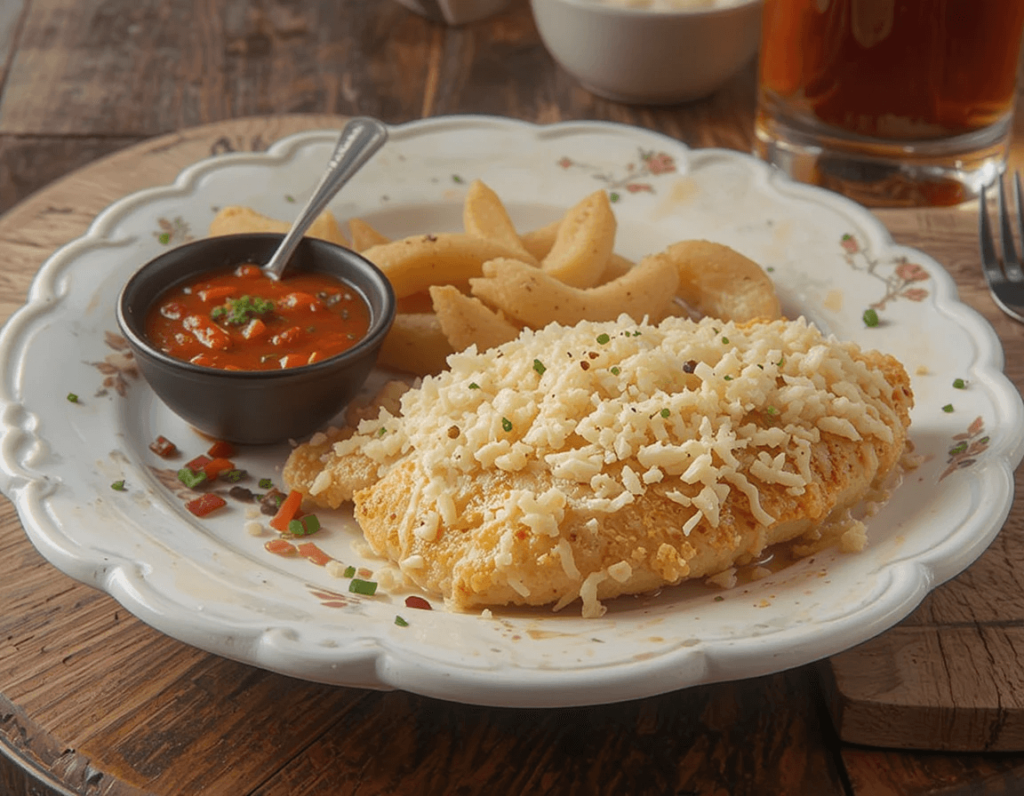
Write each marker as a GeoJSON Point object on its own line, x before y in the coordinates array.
{"type": "Point", "coordinates": [101, 97]}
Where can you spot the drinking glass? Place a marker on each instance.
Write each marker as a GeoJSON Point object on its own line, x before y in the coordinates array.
{"type": "Point", "coordinates": [891, 102]}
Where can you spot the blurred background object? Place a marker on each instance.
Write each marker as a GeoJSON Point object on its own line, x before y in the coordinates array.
{"type": "Point", "coordinates": [891, 102]}
{"type": "Point", "coordinates": [650, 51]}
{"type": "Point", "coordinates": [455, 12]}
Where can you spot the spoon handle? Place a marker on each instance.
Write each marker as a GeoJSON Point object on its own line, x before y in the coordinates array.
{"type": "Point", "coordinates": [359, 140]}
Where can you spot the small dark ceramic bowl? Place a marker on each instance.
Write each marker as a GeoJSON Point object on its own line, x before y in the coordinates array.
{"type": "Point", "coordinates": [255, 407]}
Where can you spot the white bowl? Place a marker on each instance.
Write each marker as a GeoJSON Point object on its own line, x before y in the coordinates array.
{"type": "Point", "coordinates": [647, 55]}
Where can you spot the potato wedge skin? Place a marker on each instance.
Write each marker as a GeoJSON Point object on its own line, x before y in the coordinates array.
{"type": "Point", "coordinates": [235, 219]}
{"type": "Point", "coordinates": [718, 281]}
{"type": "Point", "coordinates": [466, 321]}
{"type": "Point", "coordinates": [484, 216]}
{"type": "Point", "coordinates": [415, 344]}
{"type": "Point", "coordinates": [364, 235]}
{"type": "Point", "coordinates": [415, 263]}
{"type": "Point", "coordinates": [584, 242]}
{"type": "Point", "coordinates": [535, 298]}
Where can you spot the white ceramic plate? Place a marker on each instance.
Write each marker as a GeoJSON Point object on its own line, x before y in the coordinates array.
{"type": "Point", "coordinates": [211, 584]}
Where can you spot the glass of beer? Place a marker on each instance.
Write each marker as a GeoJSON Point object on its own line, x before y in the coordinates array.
{"type": "Point", "coordinates": [891, 102]}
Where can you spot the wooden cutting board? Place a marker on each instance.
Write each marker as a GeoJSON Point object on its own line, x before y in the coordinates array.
{"type": "Point", "coordinates": [949, 677]}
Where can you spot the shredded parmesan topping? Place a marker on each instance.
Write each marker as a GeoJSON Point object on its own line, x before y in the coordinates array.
{"type": "Point", "coordinates": [622, 406]}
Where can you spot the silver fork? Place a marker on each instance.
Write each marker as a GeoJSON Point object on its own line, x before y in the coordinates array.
{"type": "Point", "coordinates": [1005, 275]}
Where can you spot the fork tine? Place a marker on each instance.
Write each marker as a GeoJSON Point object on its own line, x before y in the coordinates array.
{"type": "Point", "coordinates": [1011, 264]}
{"type": "Point", "coordinates": [1017, 193]}
{"type": "Point", "coordinates": [989, 259]}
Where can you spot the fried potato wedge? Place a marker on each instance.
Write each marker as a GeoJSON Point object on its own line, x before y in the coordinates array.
{"type": "Point", "coordinates": [718, 281]}
{"type": "Point", "coordinates": [417, 302]}
{"type": "Point", "coordinates": [415, 344]}
{"type": "Point", "coordinates": [535, 298]}
{"type": "Point", "coordinates": [484, 216]}
{"type": "Point", "coordinates": [585, 241]}
{"type": "Point", "coordinates": [236, 219]}
{"type": "Point", "coordinates": [538, 242]}
{"type": "Point", "coordinates": [467, 321]}
{"type": "Point", "coordinates": [364, 236]}
{"type": "Point", "coordinates": [415, 263]}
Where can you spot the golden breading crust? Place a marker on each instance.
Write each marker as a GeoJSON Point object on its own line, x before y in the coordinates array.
{"type": "Point", "coordinates": [575, 495]}
{"type": "Point", "coordinates": [460, 564]}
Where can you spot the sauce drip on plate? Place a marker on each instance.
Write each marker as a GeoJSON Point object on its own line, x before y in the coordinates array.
{"type": "Point", "coordinates": [242, 319]}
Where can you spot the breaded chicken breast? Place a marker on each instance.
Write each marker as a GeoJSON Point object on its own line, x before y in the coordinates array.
{"type": "Point", "coordinates": [614, 458]}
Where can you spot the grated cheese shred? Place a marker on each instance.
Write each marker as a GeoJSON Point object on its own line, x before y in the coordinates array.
{"type": "Point", "coordinates": [699, 409]}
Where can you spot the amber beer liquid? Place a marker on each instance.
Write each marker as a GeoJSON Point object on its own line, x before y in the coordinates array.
{"type": "Point", "coordinates": [931, 82]}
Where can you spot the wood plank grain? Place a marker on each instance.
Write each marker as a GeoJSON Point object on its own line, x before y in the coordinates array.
{"type": "Point", "coordinates": [133, 69]}
{"type": "Point", "coordinates": [696, 741]}
{"type": "Point", "coordinates": [12, 13]}
{"type": "Point", "coordinates": [28, 163]}
{"type": "Point", "coordinates": [876, 772]}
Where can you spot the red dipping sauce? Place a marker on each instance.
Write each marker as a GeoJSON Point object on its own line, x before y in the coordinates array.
{"type": "Point", "coordinates": [242, 319]}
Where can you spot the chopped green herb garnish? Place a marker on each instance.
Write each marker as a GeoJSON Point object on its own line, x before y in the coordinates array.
{"type": "Point", "coordinates": [191, 478]}
{"type": "Point", "coordinates": [381, 431]}
{"type": "Point", "coordinates": [615, 370]}
{"type": "Point", "coordinates": [870, 317]}
{"type": "Point", "coordinates": [719, 599]}
{"type": "Point", "coordinates": [73, 398]}
{"type": "Point", "coordinates": [947, 408]}
{"type": "Point", "coordinates": [236, 312]}
{"type": "Point", "coordinates": [506, 424]}
{"type": "Point", "coordinates": [457, 179]}
{"type": "Point", "coordinates": [401, 622]}
{"type": "Point", "coordinates": [782, 361]}
{"type": "Point", "coordinates": [118, 486]}
{"type": "Point", "coordinates": [474, 386]}
{"type": "Point", "coordinates": [959, 384]}
{"type": "Point", "coordinates": [771, 410]}
{"type": "Point", "coordinates": [725, 341]}
{"type": "Point", "coordinates": [266, 483]}
{"type": "Point", "coordinates": [727, 378]}
{"type": "Point", "coordinates": [367, 587]}
{"type": "Point", "coordinates": [770, 268]}
{"type": "Point", "coordinates": [960, 447]}
{"type": "Point", "coordinates": [234, 476]}
{"type": "Point", "coordinates": [539, 366]}
{"type": "Point", "coordinates": [349, 572]}
{"type": "Point", "coordinates": [666, 412]}
{"type": "Point", "coordinates": [603, 338]}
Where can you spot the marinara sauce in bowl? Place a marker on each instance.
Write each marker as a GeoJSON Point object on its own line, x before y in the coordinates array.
{"type": "Point", "coordinates": [247, 358]}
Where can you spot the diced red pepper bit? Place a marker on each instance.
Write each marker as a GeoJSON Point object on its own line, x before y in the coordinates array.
{"type": "Point", "coordinates": [198, 463]}
{"type": "Point", "coordinates": [313, 553]}
{"type": "Point", "coordinates": [221, 449]}
{"type": "Point", "coordinates": [215, 467]}
{"type": "Point", "coordinates": [288, 511]}
{"type": "Point", "coordinates": [163, 447]}
{"type": "Point", "coordinates": [281, 547]}
{"type": "Point", "coordinates": [204, 504]}
{"type": "Point", "coordinates": [412, 601]}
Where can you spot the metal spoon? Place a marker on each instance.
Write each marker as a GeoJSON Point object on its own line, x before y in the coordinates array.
{"type": "Point", "coordinates": [359, 140]}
